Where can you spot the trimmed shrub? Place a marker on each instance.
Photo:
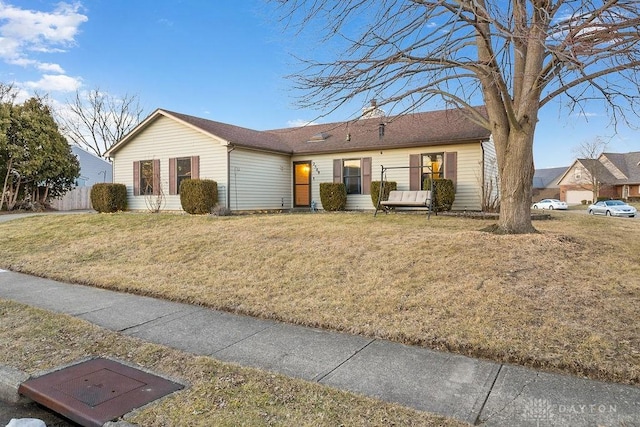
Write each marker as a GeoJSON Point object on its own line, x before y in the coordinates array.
{"type": "Point", "coordinates": [106, 197]}
{"type": "Point", "coordinates": [375, 190]}
{"type": "Point", "coordinates": [333, 196]}
{"type": "Point", "coordinates": [444, 194]}
{"type": "Point", "coordinates": [198, 196]}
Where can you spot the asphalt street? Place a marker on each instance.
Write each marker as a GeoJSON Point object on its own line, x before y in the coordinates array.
{"type": "Point", "coordinates": [31, 410]}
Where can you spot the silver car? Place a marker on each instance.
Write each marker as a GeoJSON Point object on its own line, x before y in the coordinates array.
{"type": "Point", "coordinates": [612, 208]}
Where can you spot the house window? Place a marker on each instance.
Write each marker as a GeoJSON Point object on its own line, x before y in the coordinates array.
{"type": "Point", "coordinates": [355, 174]}
{"type": "Point", "coordinates": [442, 165]}
{"type": "Point", "coordinates": [183, 170]}
{"type": "Point", "coordinates": [351, 176]}
{"type": "Point", "coordinates": [433, 162]}
{"type": "Point", "coordinates": [432, 165]}
{"type": "Point", "coordinates": [146, 177]}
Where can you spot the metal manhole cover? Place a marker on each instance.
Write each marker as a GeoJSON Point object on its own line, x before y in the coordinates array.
{"type": "Point", "coordinates": [96, 391]}
{"type": "Point", "coordinates": [99, 386]}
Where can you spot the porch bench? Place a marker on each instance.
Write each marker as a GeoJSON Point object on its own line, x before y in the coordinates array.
{"type": "Point", "coordinates": [408, 199]}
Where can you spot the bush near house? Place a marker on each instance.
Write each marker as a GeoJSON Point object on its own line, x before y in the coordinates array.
{"type": "Point", "coordinates": [198, 196]}
{"type": "Point", "coordinates": [444, 194]}
{"type": "Point", "coordinates": [106, 197]}
{"type": "Point", "coordinates": [333, 196]}
{"type": "Point", "coordinates": [387, 188]}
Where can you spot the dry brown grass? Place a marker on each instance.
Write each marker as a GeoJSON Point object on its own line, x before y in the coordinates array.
{"type": "Point", "coordinates": [566, 299]}
{"type": "Point", "coordinates": [218, 393]}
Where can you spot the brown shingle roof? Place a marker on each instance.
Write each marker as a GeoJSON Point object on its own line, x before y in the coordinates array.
{"type": "Point", "coordinates": [235, 135]}
{"type": "Point", "coordinates": [601, 172]}
{"type": "Point", "coordinates": [628, 164]}
{"type": "Point", "coordinates": [410, 130]}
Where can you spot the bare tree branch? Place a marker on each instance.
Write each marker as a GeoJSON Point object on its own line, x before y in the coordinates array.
{"type": "Point", "coordinates": [96, 120]}
{"type": "Point", "coordinates": [513, 56]}
{"type": "Point", "coordinates": [589, 152]}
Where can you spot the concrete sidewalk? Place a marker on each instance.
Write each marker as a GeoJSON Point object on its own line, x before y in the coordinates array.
{"type": "Point", "coordinates": [476, 391]}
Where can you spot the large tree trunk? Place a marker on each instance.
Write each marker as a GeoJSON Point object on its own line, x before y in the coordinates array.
{"type": "Point", "coordinates": [516, 180]}
{"type": "Point", "coordinates": [12, 199]}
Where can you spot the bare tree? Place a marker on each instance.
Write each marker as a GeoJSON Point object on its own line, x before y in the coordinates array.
{"type": "Point", "coordinates": [514, 56]}
{"type": "Point", "coordinates": [588, 153]}
{"type": "Point", "coordinates": [8, 93]}
{"type": "Point", "coordinates": [96, 120]}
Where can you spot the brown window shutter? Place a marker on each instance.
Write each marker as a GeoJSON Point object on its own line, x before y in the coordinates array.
{"type": "Point", "coordinates": [337, 171]}
{"type": "Point", "coordinates": [366, 175]}
{"type": "Point", "coordinates": [156, 176]}
{"type": "Point", "coordinates": [136, 178]}
{"type": "Point", "coordinates": [195, 167]}
{"type": "Point", "coordinates": [173, 178]}
{"type": "Point", "coordinates": [414, 172]}
{"type": "Point", "coordinates": [451, 166]}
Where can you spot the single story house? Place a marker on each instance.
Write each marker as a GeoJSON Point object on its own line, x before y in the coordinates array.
{"type": "Point", "coordinates": [283, 168]}
{"type": "Point", "coordinates": [616, 174]}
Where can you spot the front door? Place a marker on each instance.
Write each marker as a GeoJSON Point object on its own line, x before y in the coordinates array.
{"type": "Point", "coordinates": [302, 184]}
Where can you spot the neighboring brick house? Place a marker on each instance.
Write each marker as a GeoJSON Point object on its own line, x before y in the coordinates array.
{"type": "Point", "coordinates": [617, 176]}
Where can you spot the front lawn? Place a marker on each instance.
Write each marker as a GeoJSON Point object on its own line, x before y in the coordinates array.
{"type": "Point", "coordinates": [567, 299]}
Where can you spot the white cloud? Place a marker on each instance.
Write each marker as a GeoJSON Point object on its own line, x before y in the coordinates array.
{"type": "Point", "coordinates": [23, 31]}
{"type": "Point", "coordinates": [55, 83]}
{"type": "Point", "coordinates": [299, 123]}
{"type": "Point", "coordinates": [51, 68]}
{"type": "Point", "coordinates": [57, 27]}
{"type": "Point", "coordinates": [26, 34]}
{"type": "Point", "coordinates": [8, 47]}
{"type": "Point", "coordinates": [22, 62]}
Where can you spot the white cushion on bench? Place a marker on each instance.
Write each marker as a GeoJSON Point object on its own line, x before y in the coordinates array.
{"type": "Point", "coordinates": [407, 198]}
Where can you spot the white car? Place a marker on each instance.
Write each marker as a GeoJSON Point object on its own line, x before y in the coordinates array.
{"type": "Point", "coordinates": [550, 204]}
{"type": "Point", "coordinates": [612, 208]}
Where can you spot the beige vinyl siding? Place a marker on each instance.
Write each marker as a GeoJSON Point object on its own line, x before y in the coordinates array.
{"type": "Point", "coordinates": [260, 180]}
{"type": "Point", "coordinates": [164, 139]}
{"type": "Point", "coordinates": [469, 172]}
{"type": "Point", "coordinates": [570, 176]}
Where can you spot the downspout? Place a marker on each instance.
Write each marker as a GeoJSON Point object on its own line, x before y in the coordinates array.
{"type": "Point", "coordinates": [230, 148]}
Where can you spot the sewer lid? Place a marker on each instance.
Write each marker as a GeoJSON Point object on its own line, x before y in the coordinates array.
{"type": "Point", "coordinates": [96, 391]}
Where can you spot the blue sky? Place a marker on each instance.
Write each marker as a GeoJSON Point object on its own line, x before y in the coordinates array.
{"type": "Point", "coordinates": [225, 60]}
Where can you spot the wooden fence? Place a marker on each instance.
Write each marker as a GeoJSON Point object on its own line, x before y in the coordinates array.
{"type": "Point", "coordinates": [76, 199]}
